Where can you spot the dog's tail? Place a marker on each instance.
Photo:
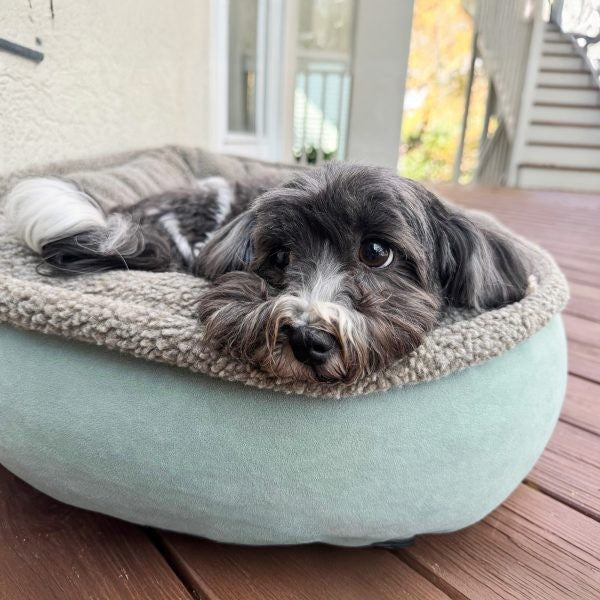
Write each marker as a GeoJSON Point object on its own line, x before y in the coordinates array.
{"type": "Point", "coordinates": [72, 233]}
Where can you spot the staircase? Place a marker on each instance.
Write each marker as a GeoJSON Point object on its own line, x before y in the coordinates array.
{"type": "Point", "coordinates": [544, 95]}
{"type": "Point", "coordinates": [562, 133]}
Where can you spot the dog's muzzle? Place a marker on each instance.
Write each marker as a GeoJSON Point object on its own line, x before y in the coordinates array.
{"type": "Point", "coordinates": [311, 346]}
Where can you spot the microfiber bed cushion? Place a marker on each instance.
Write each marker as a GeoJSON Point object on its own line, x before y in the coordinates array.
{"type": "Point", "coordinates": [432, 443]}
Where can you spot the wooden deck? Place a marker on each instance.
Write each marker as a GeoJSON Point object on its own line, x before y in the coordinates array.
{"type": "Point", "coordinates": [543, 543]}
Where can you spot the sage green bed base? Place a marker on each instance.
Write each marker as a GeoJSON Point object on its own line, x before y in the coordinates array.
{"type": "Point", "coordinates": [165, 447]}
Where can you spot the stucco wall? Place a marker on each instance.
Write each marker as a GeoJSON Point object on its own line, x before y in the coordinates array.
{"type": "Point", "coordinates": [117, 75]}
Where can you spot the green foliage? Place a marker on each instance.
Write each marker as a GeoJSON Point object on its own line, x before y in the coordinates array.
{"type": "Point", "coordinates": [312, 154]}
{"type": "Point", "coordinates": [429, 153]}
{"type": "Point", "coordinates": [437, 74]}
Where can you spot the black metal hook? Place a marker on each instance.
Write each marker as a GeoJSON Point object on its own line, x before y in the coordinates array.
{"type": "Point", "coordinates": [23, 51]}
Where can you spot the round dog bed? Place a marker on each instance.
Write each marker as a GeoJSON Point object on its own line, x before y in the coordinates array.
{"type": "Point", "coordinates": [431, 444]}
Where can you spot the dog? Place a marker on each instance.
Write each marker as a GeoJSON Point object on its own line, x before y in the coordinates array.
{"type": "Point", "coordinates": [329, 277]}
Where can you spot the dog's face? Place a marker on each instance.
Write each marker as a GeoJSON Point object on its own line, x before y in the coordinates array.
{"type": "Point", "coordinates": [344, 270]}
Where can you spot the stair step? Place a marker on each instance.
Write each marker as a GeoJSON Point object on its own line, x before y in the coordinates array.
{"type": "Point", "coordinates": [557, 39]}
{"type": "Point", "coordinates": [565, 144]}
{"type": "Point", "coordinates": [552, 60]}
{"type": "Point", "coordinates": [564, 77]}
{"type": "Point", "coordinates": [566, 104]}
{"type": "Point", "coordinates": [558, 48]}
{"type": "Point", "coordinates": [554, 36]}
{"type": "Point", "coordinates": [585, 95]}
{"type": "Point", "coordinates": [574, 133]}
{"type": "Point", "coordinates": [546, 176]}
{"type": "Point", "coordinates": [566, 113]}
{"type": "Point", "coordinates": [573, 156]}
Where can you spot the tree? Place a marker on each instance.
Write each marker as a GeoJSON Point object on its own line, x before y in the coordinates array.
{"type": "Point", "coordinates": [438, 67]}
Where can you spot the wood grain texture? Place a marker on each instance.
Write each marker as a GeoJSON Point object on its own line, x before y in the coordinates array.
{"type": "Point", "coordinates": [530, 548]}
{"type": "Point", "coordinates": [225, 572]}
{"type": "Point", "coordinates": [583, 331]}
{"type": "Point", "coordinates": [585, 300]}
{"type": "Point", "coordinates": [584, 360]}
{"type": "Point", "coordinates": [566, 224]}
{"type": "Point", "coordinates": [584, 347]}
{"type": "Point", "coordinates": [577, 271]}
{"type": "Point", "coordinates": [582, 404]}
{"type": "Point", "coordinates": [49, 550]}
{"type": "Point", "coordinates": [569, 469]}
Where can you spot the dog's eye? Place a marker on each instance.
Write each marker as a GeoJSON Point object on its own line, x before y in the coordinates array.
{"type": "Point", "coordinates": [375, 254]}
{"type": "Point", "coordinates": [281, 259]}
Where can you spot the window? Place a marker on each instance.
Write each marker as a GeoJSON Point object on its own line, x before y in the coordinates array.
{"type": "Point", "coordinates": [247, 62]}
{"type": "Point", "coordinates": [323, 79]}
{"type": "Point", "coordinates": [283, 78]}
{"type": "Point", "coordinates": [243, 66]}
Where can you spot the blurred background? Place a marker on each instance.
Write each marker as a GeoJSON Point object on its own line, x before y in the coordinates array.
{"type": "Point", "coordinates": [499, 92]}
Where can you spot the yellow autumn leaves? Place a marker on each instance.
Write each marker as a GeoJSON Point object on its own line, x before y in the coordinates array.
{"type": "Point", "coordinates": [438, 67]}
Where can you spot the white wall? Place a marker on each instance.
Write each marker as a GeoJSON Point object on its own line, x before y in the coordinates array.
{"type": "Point", "coordinates": [117, 75]}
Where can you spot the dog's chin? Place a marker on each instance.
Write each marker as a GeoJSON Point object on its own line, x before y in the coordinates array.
{"type": "Point", "coordinates": [282, 364]}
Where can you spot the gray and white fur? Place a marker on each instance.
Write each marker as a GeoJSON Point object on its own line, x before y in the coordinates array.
{"type": "Point", "coordinates": [329, 277]}
{"type": "Point", "coordinates": [72, 233]}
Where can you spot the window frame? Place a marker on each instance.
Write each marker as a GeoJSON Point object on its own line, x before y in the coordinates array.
{"type": "Point", "coordinates": [272, 56]}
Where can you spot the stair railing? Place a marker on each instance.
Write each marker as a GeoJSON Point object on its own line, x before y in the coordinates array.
{"type": "Point", "coordinates": [504, 35]}
{"type": "Point", "coordinates": [504, 31]}
{"type": "Point", "coordinates": [579, 20]}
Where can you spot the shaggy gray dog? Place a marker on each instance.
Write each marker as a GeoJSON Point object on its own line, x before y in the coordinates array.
{"type": "Point", "coordinates": [329, 277]}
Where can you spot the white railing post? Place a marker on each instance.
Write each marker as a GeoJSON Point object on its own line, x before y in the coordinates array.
{"type": "Point", "coordinates": [529, 82]}
{"type": "Point", "coordinates": [463, 129]}
{"type": "Point", "coordinates": [509, 41]}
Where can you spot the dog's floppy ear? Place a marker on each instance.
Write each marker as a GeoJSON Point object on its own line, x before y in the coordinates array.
{"type": "Point", "coordinates": [229, 249]}
{"type": "Point", "coordinates": [479, 266]}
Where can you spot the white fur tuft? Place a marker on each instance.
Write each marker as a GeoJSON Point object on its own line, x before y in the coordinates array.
{"type": "Point", "coordinates": [224, 200]}
{"type": "Point", "coordinates": [119, 234]}
{"type": "Point", "coordinates": [171, 224]}
{"type": "Point", "coordinates": [43, 210]}
{"type": "Point", "coordinates": [225, 195]}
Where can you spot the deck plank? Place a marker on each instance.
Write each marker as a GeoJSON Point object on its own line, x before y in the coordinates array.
{"type": "Point", "coordinates": [53, 551]}
{"type": "Point", "coordinates": [584, 360]}
{"type": "Point", "coordinates": [531, 547]}
{"type": "Point", "coordinates": [315, 572]}
{"type": "Point", "coordinates": [567, 225]}
{"type": "Point", "coordinates": [583, 331]}
{"type": "Point", "coordinates": [582, 404]}
{"type": "Point", "coordinates": [569, 469]}
{"type": "Point", "coordinates": [585, 301]}
{"type": "Point", "coordinates": [584, 347]}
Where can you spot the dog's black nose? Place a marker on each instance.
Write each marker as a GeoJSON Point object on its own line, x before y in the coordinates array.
{"type": "Point", "coordinates": [309, 345]}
